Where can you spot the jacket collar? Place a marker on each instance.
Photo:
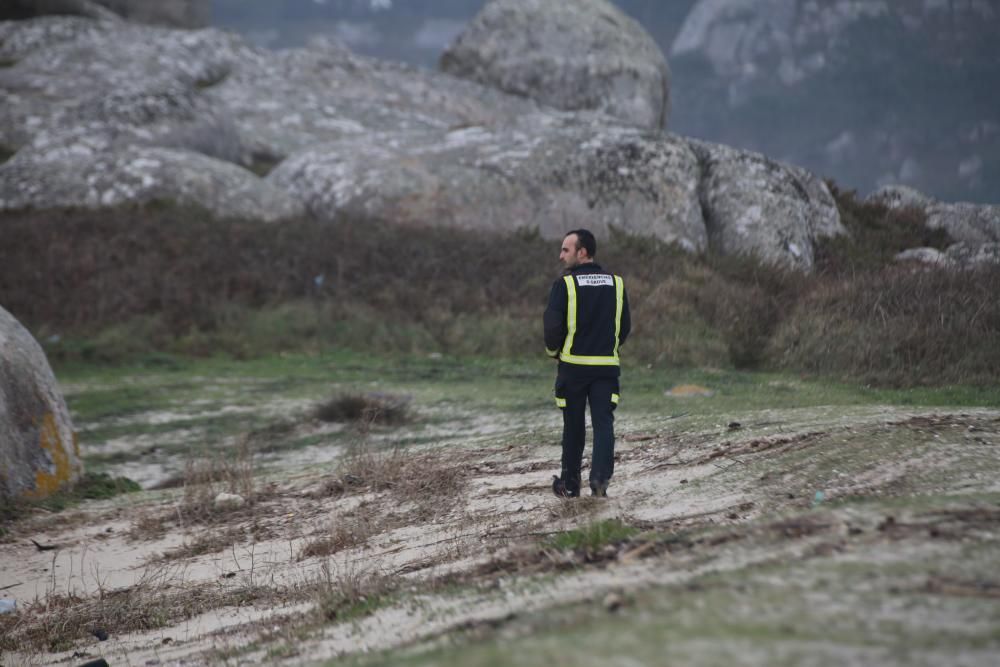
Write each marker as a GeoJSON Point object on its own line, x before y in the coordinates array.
{"type": "Point", "coordinates": [590, 267]}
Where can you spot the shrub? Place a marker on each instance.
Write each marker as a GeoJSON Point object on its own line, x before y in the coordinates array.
{"type": "Point", "coordinates": [875, 235]}
{"type": "Point", "coordinates": [898, 326]}
{"type": "Point", "coordinates": [133, 284]}
{"type": "Point", "coordinates": [367, 408]}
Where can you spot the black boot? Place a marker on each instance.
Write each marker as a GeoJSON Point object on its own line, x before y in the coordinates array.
{"type": "Point", "coordinates": [563, 489]}
{"type": "Point", "coordinates": [599, 490]}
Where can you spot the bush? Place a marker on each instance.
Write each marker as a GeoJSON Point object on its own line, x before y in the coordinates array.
{"type": "Point", "coordinates": [899, 326]}
{"type": "Point", "coordinates": [875, 235]}
{"type": "Point", "coordinates": [133, 284]}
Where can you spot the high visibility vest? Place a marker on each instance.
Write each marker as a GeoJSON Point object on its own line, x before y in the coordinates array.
{"type": "Point", "coordinates": [567, 354]}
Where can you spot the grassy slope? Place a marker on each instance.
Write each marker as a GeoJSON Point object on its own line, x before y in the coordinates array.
{"type": "Point", "coordinates": [200, 395]}
{"type": "Point", "coordinates": [749, 590]}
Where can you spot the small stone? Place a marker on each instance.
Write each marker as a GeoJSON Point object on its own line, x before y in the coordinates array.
{"type": "Point", "coordinates": [229, 501]}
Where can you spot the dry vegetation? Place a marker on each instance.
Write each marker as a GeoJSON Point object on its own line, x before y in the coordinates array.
{"type": "Point", "coordinates": [403, 530]}
{"type": "Point", "coordinates": [366, 409]}
{"type": "Point", "coordinates": [55, 622]}
{"type": "Point", "coordinates": [127, 284]}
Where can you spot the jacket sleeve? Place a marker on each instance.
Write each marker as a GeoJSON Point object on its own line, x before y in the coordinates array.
{"type": "Point", "coordinates": [626, 325]}
{"type": "Point", "coordinates": [555, 319]}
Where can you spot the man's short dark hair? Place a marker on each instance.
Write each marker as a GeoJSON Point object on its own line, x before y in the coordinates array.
{"type": "Point", "coordinates": [585, 240]}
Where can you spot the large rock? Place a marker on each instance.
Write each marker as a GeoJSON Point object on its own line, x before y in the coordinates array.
{"type": "Point", "coordinates": [38, 449]}
{"type": "Point", "coordinates": [136, 175]}
{"type": "Point", "coordinates": [99, 113]}
{"type": "Point", "coordinates": [756, 206]}
{"type": "Point", "coordinates": [179, 13]}
{"type": "Point", "coordinates": [548, 170]}
{"type": "Point", "coordinates": [102, 114]}
{"type": "Point", "coordinates": [575, 55]}
{"type": "Point", "coordinates": [297, 98]}
{"type": "Point", "coordinates": [956, 256]}
{"type": "Point", "coordinates": [969, 224]}
{"type": "Point", "coordinates": [972, 224]}
{"type": "Point", "coordinates": [75, 75]}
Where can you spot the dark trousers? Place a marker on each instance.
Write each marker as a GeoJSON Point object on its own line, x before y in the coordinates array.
{"type": "Point", "coordinates": [578, 392]}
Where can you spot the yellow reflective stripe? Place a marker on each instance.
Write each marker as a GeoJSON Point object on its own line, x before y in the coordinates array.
{"type": "Point", "coordinates": [588, 361]}
{"type": "Point", "coordinates": [551, 353]}
{"type": "Point", "coordinates": [614, 398]}
{"type": "Point", "coordinates": [570, 316]}
{"type": "Point", "coordinates": [619, 299]}
{"type": "Point", "coordinates": [560, 402]}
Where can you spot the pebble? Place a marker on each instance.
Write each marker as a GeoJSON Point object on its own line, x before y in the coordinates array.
{"type": "Point", "coordinates": [229, 500]}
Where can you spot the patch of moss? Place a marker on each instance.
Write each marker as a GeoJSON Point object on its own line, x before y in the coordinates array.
{"type": "Point", "coordinates": [92, 486]}
{"type": "Point", "coordinates": [593, 536]}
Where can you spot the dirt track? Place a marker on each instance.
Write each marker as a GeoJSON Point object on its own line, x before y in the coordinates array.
{"type": "Point", "coordinates": [444, 543]}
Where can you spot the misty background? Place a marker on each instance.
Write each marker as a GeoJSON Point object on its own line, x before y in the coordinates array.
{"type": "Point", "coordinates": [864, 92]}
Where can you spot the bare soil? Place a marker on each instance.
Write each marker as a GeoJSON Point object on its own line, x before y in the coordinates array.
{"type": "Point", "coordinates": [434, 548]}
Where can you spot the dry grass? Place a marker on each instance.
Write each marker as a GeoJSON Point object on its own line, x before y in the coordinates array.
{"type": "Point", "coordinates": [205, 479]}
{"type": "Point", "coordinates": [148, 525]}
{"type": "Point", "coordinates": [350, 530]}
{"type": "Point", "coordinates": [427, 480]}
{"type": "Point", "coordinates": [57, 621]}
{"type": "Point", "coordinates": [421, 484]}
{"type": "Point", "coordinates": [350, 590]}
{"type": "Point", "coordinates": [206, 542]}
{"type": "Point", "coordinates": [367, 409]}
{"type": "Point", "coordinates": [303, 285]}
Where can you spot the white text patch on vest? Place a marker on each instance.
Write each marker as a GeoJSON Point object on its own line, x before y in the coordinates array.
{"type": "Point", "coordinates": [595, 280]}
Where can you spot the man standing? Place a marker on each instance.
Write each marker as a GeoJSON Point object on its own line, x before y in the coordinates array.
{"type": "Point", "coordinates": [586, 321]}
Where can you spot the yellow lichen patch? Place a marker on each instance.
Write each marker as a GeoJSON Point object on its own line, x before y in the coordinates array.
{"type": "Point", "coordinates": [47, 483]}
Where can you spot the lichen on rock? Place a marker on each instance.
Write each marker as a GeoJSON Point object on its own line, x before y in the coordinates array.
{"type": "Point", "coordinates": [38, 448]}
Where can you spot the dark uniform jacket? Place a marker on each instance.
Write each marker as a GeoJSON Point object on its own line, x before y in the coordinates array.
{"type": "Point", "coordinates": [586, 322]}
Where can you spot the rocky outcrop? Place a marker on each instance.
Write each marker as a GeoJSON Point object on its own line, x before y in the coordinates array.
{"type": "Point", "coordinates": [899, 196]}
{"type": "Point", "coordinates": [177, 13]}
{"type": "Point", "coordinates": [137, 175]}
{"type": "Point", "coordinates": [296, 98]}
{"type": "Point", "coordinates": [974, 227]}
{"type": "Point", "coordinates": [99, 114]}
{"type": "Point", "coordinates": [755, 206]}
{"type": "Point", "coordinates": [580, 55]}
{"type": "Point", "coordinates": [545, 171]}
{"type": "Point", "coordinates": [956, 256]}
{"type": "Point", "coordinates": [38, 448]}
{"type": "Point", "coordinates": [102, 114]}
{"type": "Point", "coordinates": [972, 224]}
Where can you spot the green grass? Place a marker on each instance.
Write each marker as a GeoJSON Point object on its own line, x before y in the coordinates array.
{"type": "Point", "coordinates": [92, 486]}
{"type": "Point", "coordinates": [184, 403]}
{"type": "Point", "coordinates": [870, 606]}
{"type": "Point", "coordinates": [307, 287]}
{"type": "Point", "coordinates": [593, 536]}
